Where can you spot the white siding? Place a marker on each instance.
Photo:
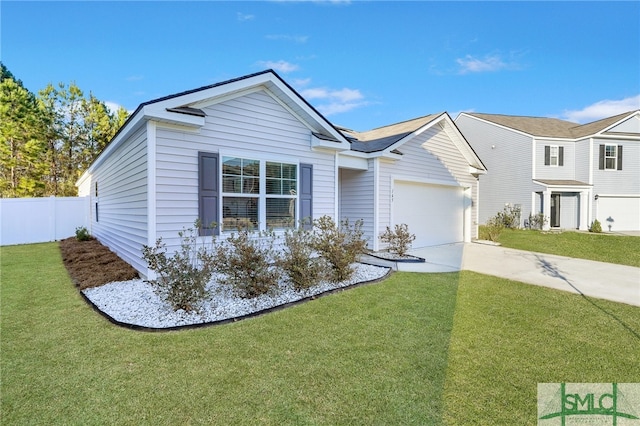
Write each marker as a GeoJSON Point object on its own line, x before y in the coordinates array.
{"type": "Point", "coordinates": [625, 181]}
{"type": "Point", "coordinates": [507, 156]}
{"type": "Point", "coordinates": [356, 199]}
{"type": "Point", "coordinates": [632, 125]}
{"type": "Point", "coordinates": [564, 172]}
{"type": "Point", "coordinates": [253, 126]}
{"type": "Point", "coordinates": [582, 160]}
{"type": "Point", "coordinates": [122, 200]}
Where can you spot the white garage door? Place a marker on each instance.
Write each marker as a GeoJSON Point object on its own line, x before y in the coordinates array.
{"type": "Point", "coordinates": [434, 213]}
{"type": "Point", "coordinates": [622, 213]}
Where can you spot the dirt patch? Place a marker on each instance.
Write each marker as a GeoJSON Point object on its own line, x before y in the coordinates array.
{"type": "Point", "coordinates": [90, 264]}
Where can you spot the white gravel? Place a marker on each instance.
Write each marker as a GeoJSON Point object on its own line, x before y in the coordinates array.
{"type": "Point", "coordinates": [135, 302]}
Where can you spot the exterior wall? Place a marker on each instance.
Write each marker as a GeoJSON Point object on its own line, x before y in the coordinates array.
{"type": "Point", "coordinates": [625, 181]}
{"type": "Point", "coordinates": [507, 156]}
{"type": "Point", "coordinates": [357, 200]}
{"type": "Point", "coordinates": [632, 125]}
{"type": "Point", "coordinates": [564, 172]}
{"type": "Point", "coordinates": [252, 126]}
{"type": "Point", "coordinates": [582, 163]}
{"type": "Point", "coordinates": [122, 200]}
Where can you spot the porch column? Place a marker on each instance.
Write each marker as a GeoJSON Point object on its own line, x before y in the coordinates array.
{"type": "Point", "coordinates": [585, 196]}
{"type": "Point", "coordinates": [546, 209]}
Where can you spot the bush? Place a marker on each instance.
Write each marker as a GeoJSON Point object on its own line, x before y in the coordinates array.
{"type": "Point", "coordinates": [399, 240]}
{"type": "Point", "coordinates": [537, 221]}
{"type": "Point", "coordinates": [82, 234]}
{"type": "Point", "coordinates": [339, 246]}
{"type": "Point", "coordinates": [493, 228]}
{"type": "Point", "coordinates": [595, 226]}
{"type": "Point", "coordinates": [246, 263]}
{"type": "Point", "coordinates": [509, 217]}
{"type": "Point", "coordinates": [183, 276]}
{"type": "Point", "coordinates": [297, 261]}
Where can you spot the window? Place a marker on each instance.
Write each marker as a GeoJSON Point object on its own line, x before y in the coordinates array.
{"type": "Point", "coordinates": [255, 191]}
{"type": "Point", "coordinates": [553, 155]}
{"type": "Point", "coordinates": [610, 157]}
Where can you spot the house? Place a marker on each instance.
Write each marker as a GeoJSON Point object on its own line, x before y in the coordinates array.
{"type": "Point", "coordinates": [571, 173]}
{"type": "Point", "coordinates": [252, 150]}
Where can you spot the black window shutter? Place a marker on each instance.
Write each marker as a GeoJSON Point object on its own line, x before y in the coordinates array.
{"type": "Point", "coordinates": [547, 155]}
{"type": "Point", "coordinates": [208, 192]}
{"type": "Point", "coordinates": [601, 162]}
{"type": "Point", "coordinates": [619, 157]}
{"type": "Point", "coordinates": [561, 156]}
{"type": "Point", "coordinates": [306, 195]}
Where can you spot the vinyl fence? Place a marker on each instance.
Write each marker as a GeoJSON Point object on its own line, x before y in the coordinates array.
{"type": "Point", "coordinates": [38, 220]}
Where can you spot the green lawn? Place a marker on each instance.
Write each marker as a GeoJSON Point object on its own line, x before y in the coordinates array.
{"type": "Point", "coordinates": [623, 250]}
{"type": "Point", "coordinates": [454, 348]}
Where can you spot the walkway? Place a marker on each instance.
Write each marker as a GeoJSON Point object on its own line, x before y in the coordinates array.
{"type": "Point", "coordinates": [618, 283]}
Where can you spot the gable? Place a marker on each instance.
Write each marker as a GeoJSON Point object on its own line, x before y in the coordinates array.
{"type": "Point", "coordinates": [630, 125]}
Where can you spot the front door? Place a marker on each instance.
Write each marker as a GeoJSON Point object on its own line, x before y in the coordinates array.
{"type": "Point", "coordinates": [555, 211]}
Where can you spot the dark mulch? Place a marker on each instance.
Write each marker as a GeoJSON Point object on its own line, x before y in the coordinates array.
{"type": "Point", "coordinates": [90, 264]}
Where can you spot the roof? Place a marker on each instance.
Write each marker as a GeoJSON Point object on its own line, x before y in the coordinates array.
{"type": "Point", "coordinates": [382, 138]}
{"type": "Point", "coordinates": [551, 127]}
{"type": "Point", "coordinates": [560, 182]}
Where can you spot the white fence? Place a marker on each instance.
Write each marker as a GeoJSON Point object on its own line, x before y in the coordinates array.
{"type": "Point", "coordinates": [38, 220]}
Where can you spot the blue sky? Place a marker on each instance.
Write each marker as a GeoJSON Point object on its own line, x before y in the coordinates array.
{"type": "Point", "coordinates": [362, 64]}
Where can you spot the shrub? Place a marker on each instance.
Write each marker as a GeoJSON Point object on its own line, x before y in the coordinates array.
{"type": "Point", "coordinates": [399, 240]}
{"type": "Point", "coordinates": [182, 276]}
{"type": "Point", "coordinates": [493, 228]}
{"type": "Point", "coordinates": [595, 226]}
{"type": "Point", "coordinates": [82, 234]}
{"type": "Point", "coordinates": [246, 263]}
{"type": "Point", "coordinates": [537, 221]}
{"type": "Point", "coordinates": [297, 261]}
{"type": "Point", "coordinates": [339, 246]}
{"type": "Point", "coordinates": [509, 216]}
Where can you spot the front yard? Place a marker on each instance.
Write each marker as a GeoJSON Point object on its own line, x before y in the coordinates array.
{"type": "Point", "coordinates": [455, 348]}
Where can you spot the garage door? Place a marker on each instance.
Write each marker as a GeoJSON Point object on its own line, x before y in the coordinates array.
{"type": "Point", "coordinates": [622, 213]}
{"type": "Point", "coordinates": [434, 213]}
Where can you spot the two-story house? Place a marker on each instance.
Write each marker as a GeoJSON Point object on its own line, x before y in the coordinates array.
{"type": "Point", "coordinates": [571, 173]}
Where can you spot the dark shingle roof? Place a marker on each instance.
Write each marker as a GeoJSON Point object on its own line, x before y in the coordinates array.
{"type": "Point", "coordinates": [382, 138]}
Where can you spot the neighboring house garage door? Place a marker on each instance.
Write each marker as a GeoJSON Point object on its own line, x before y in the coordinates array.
{"type": "Point", "coordinates": [622, 213]}
{"type": "Point", "coordinates": [434, 213]}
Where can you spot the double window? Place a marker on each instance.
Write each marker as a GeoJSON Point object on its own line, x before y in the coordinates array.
{"type": "Point", "coordinates": [257, 191]}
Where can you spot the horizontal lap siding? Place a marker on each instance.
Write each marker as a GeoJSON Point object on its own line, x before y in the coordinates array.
{"type": "Point", "coordinates": [623, 181]}
{"type": "Point", "coordinates": [507, 156]}
{"type": "Point", "coordinates": [565, 172]}
{"type": "Point", "coordinates": [254, 126]}
{"type": "Point", "coordinates": [356, 199]}
{"type": "Point", "coordinates": [122, 200]}
{"type": "Point", "coordinates": [582, 160]}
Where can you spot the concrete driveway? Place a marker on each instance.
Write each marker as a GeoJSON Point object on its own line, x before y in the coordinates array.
{"type": "Point", "coordinates": [618, 283]}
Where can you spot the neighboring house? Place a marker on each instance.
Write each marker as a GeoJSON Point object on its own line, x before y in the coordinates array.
{"type": "Point", "coordinates": [252, 150]}
{"type": "Point", "coordinates": [571, 173]}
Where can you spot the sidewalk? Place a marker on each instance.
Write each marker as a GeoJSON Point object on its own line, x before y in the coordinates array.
{"type": "Point", "coordinates": [618, 283]}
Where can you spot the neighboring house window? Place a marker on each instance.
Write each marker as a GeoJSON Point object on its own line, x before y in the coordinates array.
{"type": "Point", "coordinates": [610, 157]}
{"type": "Point", "coordinates": [553, 155]}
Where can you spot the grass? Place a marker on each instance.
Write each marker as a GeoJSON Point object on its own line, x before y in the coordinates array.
{"type": "Point", "coordinates": [455, 348]}
{"type": "Point", "coordinates": [619, 249]}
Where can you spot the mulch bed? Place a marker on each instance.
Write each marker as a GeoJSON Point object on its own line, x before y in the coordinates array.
{"type": "Point", "coordinates": [90, 264]}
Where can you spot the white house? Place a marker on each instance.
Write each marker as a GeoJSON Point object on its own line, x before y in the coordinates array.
{"type": "Point", "coordinates": [571, 173]}
{"type": "Point", "coordinates": [252, 150]}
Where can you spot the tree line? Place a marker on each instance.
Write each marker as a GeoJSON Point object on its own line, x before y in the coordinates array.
{"type": "Point", "coordinates": [48, 140]}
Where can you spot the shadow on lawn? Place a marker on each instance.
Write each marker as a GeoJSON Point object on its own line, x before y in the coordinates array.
{"type": "Point", "coordinates": [551, 270]}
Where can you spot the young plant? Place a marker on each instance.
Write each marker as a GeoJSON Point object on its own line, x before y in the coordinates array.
{"type": "Point", "coordinates": [245, 261]}
{"type": "Point", "coordinates": [339, 246]}
{"type": "Point", "coordinates": [493, 228]}
{"type": "Point", "coordinates": [595, 226]}
{"type": "Point", "coordinates": [399, 240]}
{"type": "Point", "coordinates": [182, 277]}
{"type": "Point", "coordinates": [298, 261]}
{"type": "Point", "coordinates": [537, 221]}
{"type": "Point", "coordinates": [82, 234]}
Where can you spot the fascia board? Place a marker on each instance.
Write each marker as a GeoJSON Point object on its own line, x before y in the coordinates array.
{"type": "Point", "coordinates": [151, 112]}
{"type": "Point", "coordinates": [462, 144]}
